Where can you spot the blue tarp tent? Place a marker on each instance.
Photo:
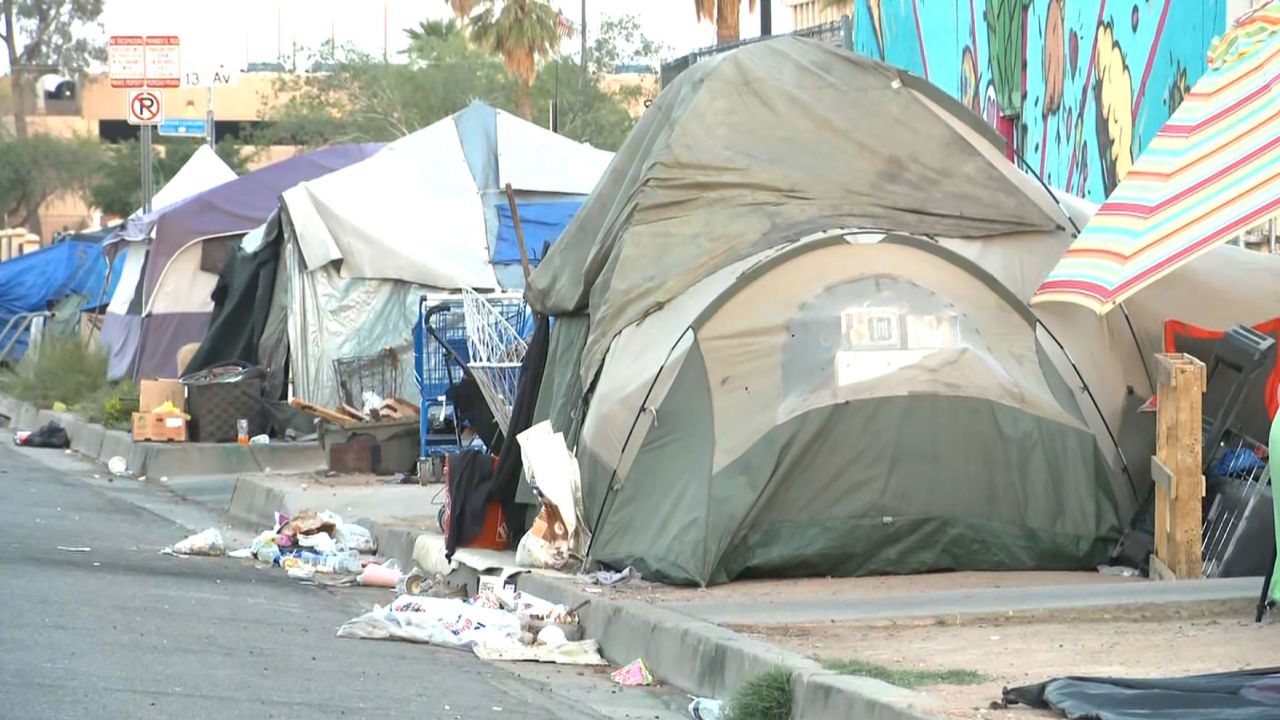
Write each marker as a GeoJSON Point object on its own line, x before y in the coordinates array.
{"type": "Point", "coordinates": [542, 223]}
{"type": "Point", "coordinates": [32, 282]}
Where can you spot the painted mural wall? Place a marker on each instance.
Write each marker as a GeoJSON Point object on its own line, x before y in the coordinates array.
{"type": "Point", "coordinates": [1080, 86]}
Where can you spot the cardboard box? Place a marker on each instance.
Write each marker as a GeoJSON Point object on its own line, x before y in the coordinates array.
{"type": "Point", "coordinates": [159, 427]}
{"type": "Point", "coordinates": [154, 393]}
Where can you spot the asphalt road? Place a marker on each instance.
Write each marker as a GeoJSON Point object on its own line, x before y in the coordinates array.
{"type": "Point", "coordinates": [123, 632]}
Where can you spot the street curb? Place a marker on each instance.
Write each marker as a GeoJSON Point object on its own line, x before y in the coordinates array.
{"type": "Point", "coordinates": [165, 459]}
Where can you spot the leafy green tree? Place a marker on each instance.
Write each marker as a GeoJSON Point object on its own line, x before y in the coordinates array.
{"type": "Point", "coordinates": [116, 188]}
{"type": "Point", "coordinates": [39, 167]}
{"type": "Point", "coordinates": [40, 37]}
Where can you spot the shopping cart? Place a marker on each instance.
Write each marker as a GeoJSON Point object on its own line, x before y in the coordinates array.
{"type": "Point", "coordinates": [441, 358]}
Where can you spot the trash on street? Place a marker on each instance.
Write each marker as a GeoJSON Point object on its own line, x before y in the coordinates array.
{"type": "Point", "coordinates": [208, 542]}
{"type": "Point", "coordinates": [77, 549]}
{"type": "Point", "coordinates": [633, 674]}
{"type": "Point", "coordinates": [706, 708]}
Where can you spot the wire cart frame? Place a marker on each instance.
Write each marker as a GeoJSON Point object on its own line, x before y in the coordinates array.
{"type": "Point", "coordinates": [441, 357]}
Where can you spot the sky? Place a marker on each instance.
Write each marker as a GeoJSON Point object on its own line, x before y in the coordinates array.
{"type": "Point", "coordinates": [240, 31]}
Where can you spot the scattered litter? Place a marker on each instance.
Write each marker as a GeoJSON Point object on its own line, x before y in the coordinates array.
{"type": "Point", "coordinates": [593, 590]}
{"type": "Point", "coordinates": [558, 532]}
{"type": "Point", "coordinates": [375, 575]}
{"type": "Point", "coordinates": [632, 675]}
{"type": "Point", "coordinates": [1117, 570]}
{"type": "Point", "coordinates": [320, 542]}
{"type": "Point", "coordinates": [552, 636]}
{"type": "Point", "coordinates": [260, 440]}
{"type": "Point", "coordinates": [437, 621]}
{"type": "Point", "coordinates": [412, 583]}
{"type": "Point", "coordinates": [608, 577]}
{"type": "Point", "coordinates": [52, 435]}
{"type": "Point", "coordinates": [164, 478]}
{"type": "Point", "coordinates": [302, 572]}
{"type": "Point", "coordinates": [117, 465]}
{"type": "Point", "coordinates": [334, 580]}
{"type": "Point", "coordinates": [706, 708]}
{"type": "Point", "coordinates": [66, 548]}
{"type": "Point", "coordinates": [241, 554]}
{"type": "Point", "coordinates": [208, 542]}
{"type": "Point", "coordinates": [97, 564]}
{"type": "Point", "coordinates": [582, 652]}
{"type": "Point", "coordinates": [356, 537]}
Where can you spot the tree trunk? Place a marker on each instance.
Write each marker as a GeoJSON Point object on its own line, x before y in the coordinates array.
{"type": "Point", "coordinates": [30, 211]}
{"type": "Point", "coordinates": [728, 15]}
{"type": "Point", "coordinates": [524, 106]}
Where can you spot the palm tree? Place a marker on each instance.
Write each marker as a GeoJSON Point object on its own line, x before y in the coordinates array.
{"type": "Point", "coordinates": [726, 14]}
{"type": "Point", "coordinates": [521, 31]}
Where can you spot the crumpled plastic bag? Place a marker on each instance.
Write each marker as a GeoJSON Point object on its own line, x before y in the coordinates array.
{"type": "Point", "coordinates": [208, 542]}
{"type": "Point", "coordinates": [706, 708]}
{"type": "Point", "coordinates": [356, 537]}
{"type": "Point", "coordinates": [437, 621]}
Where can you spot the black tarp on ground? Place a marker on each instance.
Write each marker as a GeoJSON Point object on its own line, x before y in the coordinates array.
{"type": "Point", "coordinates": [1241, 695]}
{"type": "Point", "coordinates": [241, 303]}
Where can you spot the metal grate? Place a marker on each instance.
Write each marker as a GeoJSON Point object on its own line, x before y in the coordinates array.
{"type": "Point", "coordinates": [378, 373]}
{"type": "Point", "coordinates": [1244, 461]}
{"type": "Point", "coordinates": [831, 33]}
{"type": "Point", "coordinates": [497, 351]}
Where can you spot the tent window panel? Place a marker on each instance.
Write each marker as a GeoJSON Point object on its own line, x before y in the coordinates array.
{"type": "Point", "coordinates": [859, 331]}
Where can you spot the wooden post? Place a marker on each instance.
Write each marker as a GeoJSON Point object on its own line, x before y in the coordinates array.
{"type": "Point", "coordinates": [1175, 469]}
{"type": "Point", "coordinates": [515, 220]}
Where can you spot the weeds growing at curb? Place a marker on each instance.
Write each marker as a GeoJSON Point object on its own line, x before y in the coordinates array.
{"type": "Point", "coordinates": [766, 696]}
{"type": "Point", "coordinates": [903, 677]}
{"type": "Point", "coordinates": [63, 370]}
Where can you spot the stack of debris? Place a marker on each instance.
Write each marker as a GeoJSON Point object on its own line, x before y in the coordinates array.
{"type": "Point", "coordinates": [381, 437]}
{"type": "Point", "coordinates": [380, 411]}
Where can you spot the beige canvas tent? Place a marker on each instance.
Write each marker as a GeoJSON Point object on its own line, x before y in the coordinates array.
{"type": "Point", "coordinates": [792, 337]}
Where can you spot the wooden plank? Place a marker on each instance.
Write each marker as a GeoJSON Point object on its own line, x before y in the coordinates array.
{"type": "Point", "coordinates": [406, 408]}
{"type": "Point", "coordinates": [1158, 570]}
{"type": "Point", "coordinates": [1175, 469]}
{"type": "Point", "coordinates": [350, 412]}
{"type": "Point", "coordinates": [323, 413]}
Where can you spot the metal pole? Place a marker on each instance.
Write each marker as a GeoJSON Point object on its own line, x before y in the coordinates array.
{"type": "Point", "coordinates": [583, 30]}
{"type": "Point", "coordinates": [515, 221]}
{"type": "Point", "coordinates": [146, 168]}
{"type": "Point", "coordinates": [208, 119]}
{"type": "Point", "coordinates": [1271, 236]}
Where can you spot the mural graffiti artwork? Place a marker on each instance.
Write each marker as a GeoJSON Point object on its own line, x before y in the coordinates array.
{"type": "Point", "coordinates": [1077, 86]}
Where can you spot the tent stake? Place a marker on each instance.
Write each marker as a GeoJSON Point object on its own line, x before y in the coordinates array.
{"type": "Point", "coordinates": [515, 220]}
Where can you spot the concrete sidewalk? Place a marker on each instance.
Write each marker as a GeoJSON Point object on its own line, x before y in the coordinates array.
{"type": "Point", "coordinates": [967, 602]}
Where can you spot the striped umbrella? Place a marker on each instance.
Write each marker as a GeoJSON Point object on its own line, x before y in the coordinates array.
{"type": "Point", "coordinates": [1211, 172]}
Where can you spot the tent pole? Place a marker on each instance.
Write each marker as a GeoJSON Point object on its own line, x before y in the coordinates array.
{"type": "Point", "coordinates": [102, 294]}
{"type": "Point", "coordinates": [515, 220]}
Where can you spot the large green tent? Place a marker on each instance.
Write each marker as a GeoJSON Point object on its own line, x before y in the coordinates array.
{"type": "Point", "coordinates": [791, 337]}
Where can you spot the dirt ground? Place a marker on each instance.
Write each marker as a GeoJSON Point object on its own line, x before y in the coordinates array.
{"type": "Point", "coordinates": [1030, 649]}
{"type": "Point", "coordinates": [859, 586]}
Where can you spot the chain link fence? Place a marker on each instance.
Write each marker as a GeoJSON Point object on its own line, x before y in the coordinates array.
{"type": "Point", "coordinates": [837, 33]}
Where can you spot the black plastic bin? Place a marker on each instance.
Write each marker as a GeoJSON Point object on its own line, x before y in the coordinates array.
{"type": "Point", "coordinates": [219, 397]}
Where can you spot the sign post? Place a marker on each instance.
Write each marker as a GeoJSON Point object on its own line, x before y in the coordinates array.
{"type": "Point", "coordinates": [146, 108]}
{"type": "Point", "coordinates": [150, 62]}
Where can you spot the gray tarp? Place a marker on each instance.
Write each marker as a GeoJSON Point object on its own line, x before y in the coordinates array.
{"type": "Point", "coordinates": [724, 164]}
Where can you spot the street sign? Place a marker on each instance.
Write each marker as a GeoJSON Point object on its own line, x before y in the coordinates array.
{"type": "Point", "coordinates": [146, 107]}
{"type": "Point", "coordinates": [126, 61]}
{"type": "Point", "coordinates": [208, 75]}
{"type": "Point", "coordinates": [183, 127]}
{"type": "Point", "coordinates": [164, 61]}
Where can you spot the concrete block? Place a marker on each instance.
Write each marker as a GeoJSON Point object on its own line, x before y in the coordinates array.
{"type": "Point", "coordinates": [87, 439]}
{"type": "Point", "coordinates": [115, 442]}
{"type": "Point", "coordinates": [256, 503]}
{"type": "Point", "coordinates": [829, 696]}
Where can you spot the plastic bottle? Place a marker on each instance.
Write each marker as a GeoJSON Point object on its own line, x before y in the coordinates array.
{"type": "Point", "coordinates": [242, 431]}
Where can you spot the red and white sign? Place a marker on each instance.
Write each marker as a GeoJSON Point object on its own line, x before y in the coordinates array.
{"type": "Point", "coordinates": [146, 107]}
{"type": "Point", "coordinates": [164, 61]}
{"type": "Point", "coordinates": [127, 61]}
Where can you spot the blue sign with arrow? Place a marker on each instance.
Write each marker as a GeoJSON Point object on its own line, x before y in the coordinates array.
{"type": "Point", "coordinates": [183, 127]}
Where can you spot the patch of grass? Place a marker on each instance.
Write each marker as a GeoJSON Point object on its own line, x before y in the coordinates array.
{"type": "Point", "coordinates": [113, 405]}
{"type": "Point", "coordinates": [766, 696]}
{"type": "Point", "coordinates": [62, 371]}
{"type": "Point", "coordinates": [904, 677]}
